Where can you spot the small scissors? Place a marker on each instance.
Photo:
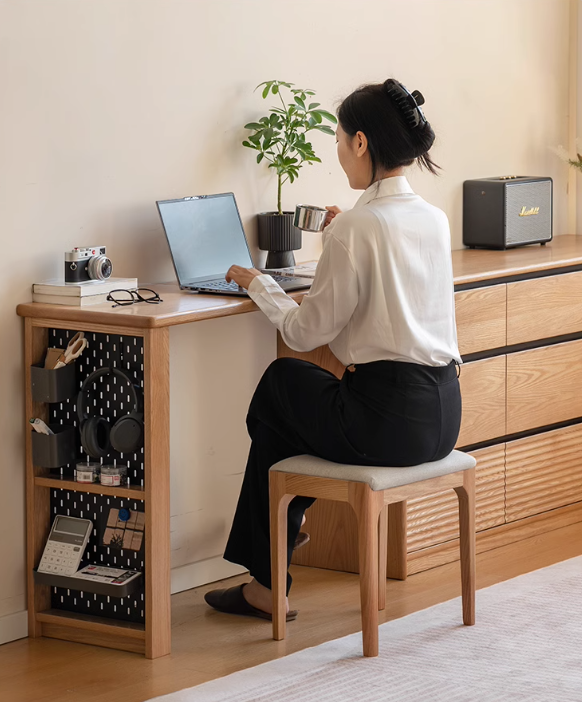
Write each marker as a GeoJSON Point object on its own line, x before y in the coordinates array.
{"type": "Point", "coordinates": [74, 349]}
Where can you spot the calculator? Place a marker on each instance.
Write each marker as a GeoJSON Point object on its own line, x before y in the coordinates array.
{"type": "Point", "coordinates": [65, 545]}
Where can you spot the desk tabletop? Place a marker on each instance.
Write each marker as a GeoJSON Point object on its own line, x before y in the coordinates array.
{"type": "Point", "coordinates": [180, 307]}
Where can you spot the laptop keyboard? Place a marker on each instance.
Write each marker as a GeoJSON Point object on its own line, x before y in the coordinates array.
{"type": "Point", "coordinates": [222, 285]}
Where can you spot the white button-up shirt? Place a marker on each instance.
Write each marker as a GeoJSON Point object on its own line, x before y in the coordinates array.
{"type": "Point", "coordinates": [383, 287]}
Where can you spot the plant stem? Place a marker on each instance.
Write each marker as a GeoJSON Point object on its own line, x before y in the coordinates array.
{"type": "Point", "coordinates": [279, 194]}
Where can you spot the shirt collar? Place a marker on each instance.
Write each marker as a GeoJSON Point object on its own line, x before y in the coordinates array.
{"type": "Point", "coordinates": [396, 185]}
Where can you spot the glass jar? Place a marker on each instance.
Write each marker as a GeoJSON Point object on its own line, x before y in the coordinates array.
{"type": "Point", "coordinates": [113, 475]}
{"type": "Point", "coordinates": [87, 472]}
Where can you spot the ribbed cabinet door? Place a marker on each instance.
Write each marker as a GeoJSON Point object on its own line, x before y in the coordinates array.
{"type": "Point", "coordinates": [435, 519]}
{"type": "Point", "coordinates": [543, 472]}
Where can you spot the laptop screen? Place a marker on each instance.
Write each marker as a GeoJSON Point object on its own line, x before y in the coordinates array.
{"type": "Point", "coordinates": [205, 235]}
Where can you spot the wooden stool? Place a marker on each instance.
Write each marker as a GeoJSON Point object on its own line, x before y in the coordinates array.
{"type": "Point", "coordinates": [369, 489]}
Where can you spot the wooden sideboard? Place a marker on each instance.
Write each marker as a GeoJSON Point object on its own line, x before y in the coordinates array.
{"type": "Point", "coordinates": [519, 321]}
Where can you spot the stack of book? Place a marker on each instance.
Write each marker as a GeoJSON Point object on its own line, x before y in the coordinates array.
{"type": "Point", "coordinates": [90, 292]}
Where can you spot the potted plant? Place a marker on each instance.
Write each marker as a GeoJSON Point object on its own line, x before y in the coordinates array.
{"type": "Point", "coordinates": [280, 139]}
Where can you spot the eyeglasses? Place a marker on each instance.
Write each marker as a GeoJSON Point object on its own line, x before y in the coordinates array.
{"type": "Point", "coordinates": [129, 297]}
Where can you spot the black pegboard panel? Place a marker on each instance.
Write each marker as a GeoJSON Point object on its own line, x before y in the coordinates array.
{"type": "Point", "coordinates": [110, 398]}
{"type": "Point", "coordinates": [96, 508]}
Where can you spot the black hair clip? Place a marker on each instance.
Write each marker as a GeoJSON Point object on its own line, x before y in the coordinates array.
{"type": "Point", "coordinates": [408, 103]}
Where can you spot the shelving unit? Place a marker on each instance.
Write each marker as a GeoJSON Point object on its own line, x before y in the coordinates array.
{"type": "Point", "coordinates": [140, 621]}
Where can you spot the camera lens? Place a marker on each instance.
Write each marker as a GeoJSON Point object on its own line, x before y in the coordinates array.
{"type": "Point", "coordinates": [99, 268]}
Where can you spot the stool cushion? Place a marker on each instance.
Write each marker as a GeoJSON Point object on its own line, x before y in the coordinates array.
{"type": "Point", "coordinates": [377, 477]}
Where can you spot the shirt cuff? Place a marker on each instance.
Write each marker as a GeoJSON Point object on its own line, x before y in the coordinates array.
{"type": "Point", "coordinates": [261, 282]}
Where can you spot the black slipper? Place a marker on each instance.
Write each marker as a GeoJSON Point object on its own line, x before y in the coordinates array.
{"type": "Point", "coordinates": [302, 539]}
{"type": "Point", "coordinates": [232, 601]}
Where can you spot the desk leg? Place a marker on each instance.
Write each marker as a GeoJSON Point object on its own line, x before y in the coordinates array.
{"type": "Point", "coordinates": [157, 488]}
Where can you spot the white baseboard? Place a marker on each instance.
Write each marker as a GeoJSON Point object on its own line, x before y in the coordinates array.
{"type": "Point", "coordinates": [194, 574]}
{"type": "Point", "coordinates": [13, 626]}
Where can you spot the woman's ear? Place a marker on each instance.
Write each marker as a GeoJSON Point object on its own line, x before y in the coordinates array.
{"type": "Point", "coordinates": [361, 144]}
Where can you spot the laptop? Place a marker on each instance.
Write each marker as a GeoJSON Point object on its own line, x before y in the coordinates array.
{"type": "Point", "coordinates": [206, 237]}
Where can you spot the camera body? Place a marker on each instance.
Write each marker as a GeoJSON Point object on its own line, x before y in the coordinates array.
{"type": "Point", "coordinates": [85, 263]}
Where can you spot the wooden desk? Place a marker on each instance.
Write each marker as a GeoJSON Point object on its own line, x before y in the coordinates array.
{"type": "Point", "coordinates": [480, 327]}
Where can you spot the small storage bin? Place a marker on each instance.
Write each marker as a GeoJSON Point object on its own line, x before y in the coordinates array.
{"type": "Point", "coordinates": [49, 385]}
{"type": "Point", "coordinates": [54, 450]}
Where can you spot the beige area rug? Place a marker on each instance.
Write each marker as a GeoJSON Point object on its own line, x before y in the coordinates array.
{"type": "Point", "coordinates": [525, 647]}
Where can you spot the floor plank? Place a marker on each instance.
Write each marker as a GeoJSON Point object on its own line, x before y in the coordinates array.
{"type": "Point", "coordinates": [208, 645]}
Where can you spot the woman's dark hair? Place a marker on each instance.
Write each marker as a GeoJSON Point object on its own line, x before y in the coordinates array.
{"type": "Point", "coordinates": [392, 141]}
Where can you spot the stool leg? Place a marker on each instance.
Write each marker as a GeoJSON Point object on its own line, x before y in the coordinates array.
{"type": "Point", "coordinates": [278, 503]}
{"type": "Point", "coordinates": [466, 495]}
{"type": "Point", "coordinates": [397, 541]}
{"type": "Point", "coordinates": [367, 505]}
{"type": "Point", "coordinates": [382, 557]}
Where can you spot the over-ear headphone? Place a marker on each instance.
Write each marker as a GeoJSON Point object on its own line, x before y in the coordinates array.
{"type": "Point", "coordinates": [126, 435]}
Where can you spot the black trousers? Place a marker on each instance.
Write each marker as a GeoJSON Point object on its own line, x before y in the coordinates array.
{"type": "Point", "coordinates": [384, 413]}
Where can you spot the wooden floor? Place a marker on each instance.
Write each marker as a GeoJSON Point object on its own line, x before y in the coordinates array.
{"type": "Point", "coordinates": [208, 645]}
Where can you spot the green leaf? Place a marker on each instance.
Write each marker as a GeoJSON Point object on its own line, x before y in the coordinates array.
{"type": "Point", "coordinates": [328, 115]}
{"type": "Point", "coordinates": [324, 128]}
{"type": "Point", "coordinates": [314, 105]}
{"type": "Point", "coordinates": [260, 157]}
{"type": "Point", "coordinates": [250, 146]}
{"type": "Point", "coordinates": [275, 89]}
{"type": "Point", "coordinates": [316, 116]}
{"type": "Point", "coordinates": [253, 125]}
{"type": "Point", "coordinates": [266, 90]}
{"type": "Point", "coordinates": [300, 102]}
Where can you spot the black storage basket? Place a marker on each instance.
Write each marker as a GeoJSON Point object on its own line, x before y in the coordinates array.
{"type": "Point", "coordinates": [49, 385]}
{"type": "Point", "coordinates": [54, 450]}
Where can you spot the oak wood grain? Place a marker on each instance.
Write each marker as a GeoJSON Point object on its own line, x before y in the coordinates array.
{"type": "Point", "coordinates": [543, 472]}
{"type": "Point", "coordinates": [474, 265]}
{"type": "Point", "coordinates": [180, 307]}
{"type": "Point", "coordinates": [157, 487]}
{"type": "Point", "coordinates": [38, 520]}
{"type": "Point", "coordinates": [321, 356]}
{"type": "Point", "coordinates": [483, 393]}
{"type": "Point", "coordinates": [481, 318]}
{"type": "Point", "coordinates": [134, 493]}
{"type": "Point", "coordinates": [499, 537]}
{"type": "Point", "coordinates": [544, 386]}
{"type": "Point", "coordinates": [545, 307]}
{"type": "Point", "coordinates": [209, 645]}
{"type": "Point", "coordinates": [433, 520]}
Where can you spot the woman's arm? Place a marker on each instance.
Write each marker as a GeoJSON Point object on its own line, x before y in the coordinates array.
{"type": "Point", "coordinates": [324, 312]}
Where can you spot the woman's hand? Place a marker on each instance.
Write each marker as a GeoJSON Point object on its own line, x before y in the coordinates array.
{"type": "Point", "coordinates": [332, 211]}
{"type": "Point", "coordinates": [242, 276]}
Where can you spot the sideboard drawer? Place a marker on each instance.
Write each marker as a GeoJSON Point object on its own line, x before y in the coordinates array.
{"type": "Point", "coordinates": [544, 307]}
{"type": "Point", "coordinates": [483, 392]}
{"type": "Point", "coordinates": [543, 472]}
{"type": "Point", "coordinates": [544, 386]}
{"type": "Point", "coordinates": [481, 318]}
{"type": "Point", "coordinates": [435, 519]}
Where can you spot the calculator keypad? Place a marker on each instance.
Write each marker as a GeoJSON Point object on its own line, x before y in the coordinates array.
{"type": "Point", "coordinates": [60, 559]}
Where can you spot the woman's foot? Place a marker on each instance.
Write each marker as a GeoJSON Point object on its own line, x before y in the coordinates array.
{"type": "Point", "coordinates": [302, 538]}
{"type": "Point", "coordinates": [233, 601]}
{"type": "Point", "coordinates": [260, 597]}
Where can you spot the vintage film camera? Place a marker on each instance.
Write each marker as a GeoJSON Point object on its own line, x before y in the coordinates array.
{"type": "Point", "coordinates": [87, 263]}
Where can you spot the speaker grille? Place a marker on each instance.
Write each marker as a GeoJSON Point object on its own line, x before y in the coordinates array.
{"type": "Point", "coordinates": [535, 227]}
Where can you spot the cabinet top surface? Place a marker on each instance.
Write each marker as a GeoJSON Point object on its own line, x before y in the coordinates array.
{"type": "Point", "coordinates": [180, 307]}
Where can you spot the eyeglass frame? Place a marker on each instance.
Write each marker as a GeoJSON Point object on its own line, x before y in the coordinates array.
{"type": "Point", "coordinates": [134, 294]}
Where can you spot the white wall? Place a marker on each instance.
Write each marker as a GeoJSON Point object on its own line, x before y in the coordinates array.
{"type": "Point", "coordinates": [108, 105]}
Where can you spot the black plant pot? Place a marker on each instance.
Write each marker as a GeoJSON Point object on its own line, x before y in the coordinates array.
{"type": "Point", "coordinates": [279, 237]}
